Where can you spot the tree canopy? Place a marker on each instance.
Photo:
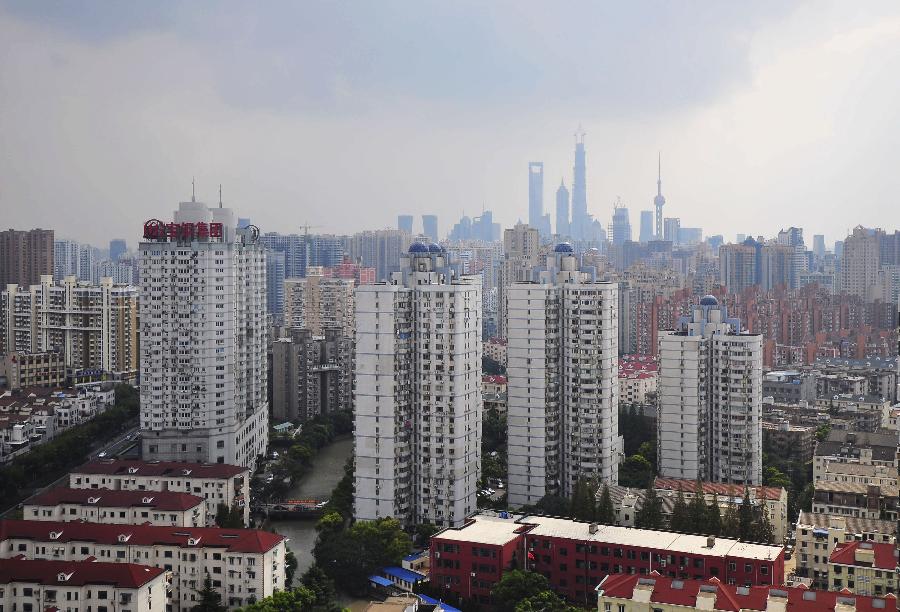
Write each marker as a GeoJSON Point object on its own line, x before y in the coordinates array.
{"type": "Point", "coordinates": [517, 586]}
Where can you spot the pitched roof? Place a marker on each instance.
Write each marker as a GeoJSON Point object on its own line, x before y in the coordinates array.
{"type": "Point", "coordinates": [725, 490]}
{"type": "Point", "coordinates": [732, 598]}
{"type": "Point", "coordinates": [124, 467]}
{"type": "Point", "coordinates": [884, 555]}
{"type": "Point", "coordinates": [232, 540]}
{"type": "Point", "coordinates": [76, 573]}
{"type": "Point", "coordinates": [853, 525]}
{"type": "Point", "coordinates": [107, 498]}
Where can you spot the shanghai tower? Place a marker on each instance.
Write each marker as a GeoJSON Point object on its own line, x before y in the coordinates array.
{"type": "Point", "coordinates": [580, 219]}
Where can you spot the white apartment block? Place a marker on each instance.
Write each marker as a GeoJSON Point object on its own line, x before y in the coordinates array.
{"type": "Point", "coordinates": [709, 422]}
{"type": "Point", "coordinates": [860, 264]}
{"type": "Point", "coordinates": [521, 253]}
{"type": "Point", "coordinates": [245, 565]}
{"type": "Point", "coordinates": [563, 389]}
{"type": "Point", "coordinates": [161, 508]}
{"type": "Point", "coordinates": [317, 303]}
{"type": "Point", "coordinates": [49, 584]}
{"type": "Point", "coordinates": [93, 326]}
{"type": "Point", "coordinates": [214, 482]}
{"type": "Point", "coordinates": [418, 393]}
{"type": "Point", "coordinates": [203, 339]}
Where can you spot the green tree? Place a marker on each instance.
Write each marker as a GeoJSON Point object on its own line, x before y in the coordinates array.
{"type": "Point", "coordinates": [822, 432]}
{"type": "Point", "coordinates": [680, 520]}
{"type": "Point", "coordinates": [229, 518]}
{"type": "Point", "coordinates": [331, 522]}
{"type": "Point", "coordinates": [517, 586]}
{"type": "Point", "coordinates": [300, 599]}
{"type": "Point", "coordinates": [553, 505]}
{"type": "Point", "coordinates": [545, 601]}
{"type": "Point", "coordinates": [424, 531]}
{"type": "Point", "coordinates": [322, 587]}
{"type": "Point", "coordinates": [210, 599]}
{"type": "Point", "coordinates": [290, 567]}
{"type": "Point", "coordinates": [635, 471]}
{"type": "Point", "coordinates": [714, 517]}
{"type": "Point", "coordinates": [731, 522]}
{"type": "Point", "coordinates": [647, 450]}
{"type": "Point", "coordinates": [650, 516]}
{"type": "Point", "coordinates": [583, 503]}
{"type": "Point", "coordinates": [606, 514]}
{"type": "Point", "coordinates": [762, 528]}
{"type": "Point", "coordinates": [773, 477]}
{"type": "Point", "coordinates": [342, 497]}
{"type": "Point", "coordinates": [745, 516]}
{"type": "Point", "coordinates": [697, 510]}
{"type": "Point", "coordinates": [350, 556]}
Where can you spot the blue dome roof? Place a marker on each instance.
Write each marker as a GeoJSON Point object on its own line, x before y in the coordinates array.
{"type": "Point", "coordinates": [709, 300]}
{"type": "Point", "coordinates": [563, 247]}
{"type": "Point", "coordinates": [418, 247]}
{"type": "Point", "coordinates": [434, 247]}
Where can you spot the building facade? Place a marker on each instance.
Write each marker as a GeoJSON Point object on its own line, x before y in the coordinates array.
{"type": "Point", "coordinates": [311, 375]}
{"type": "Point", "coordinates": [418, 393]}
{"type": "Point", "coordinates": [563, 386]}
{"type": "Point", "coordinates": [710, 399]}
{"type": "Point", "coordinates": [203, 339]}
{"type": "Point", "coordinates": [318, 303]}
{"type": "Point", "coordinates": [122, 507]}
{"type": "Point", "coordinates": [94, 327]}
{"type": "Point", "coordinates": [25, 256]}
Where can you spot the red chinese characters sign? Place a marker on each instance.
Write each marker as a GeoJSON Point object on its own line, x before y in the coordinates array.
{"type": "Point", "coordinates": [157, 230]}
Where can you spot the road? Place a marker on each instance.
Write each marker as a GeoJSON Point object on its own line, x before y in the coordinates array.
{"type": "Point", "coordinates": [120, 445]}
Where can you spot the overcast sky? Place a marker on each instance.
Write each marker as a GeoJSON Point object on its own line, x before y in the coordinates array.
{"type": "Point", "coordinates": [344, 114]}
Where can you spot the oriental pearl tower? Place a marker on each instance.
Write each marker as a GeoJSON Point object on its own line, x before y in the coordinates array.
{"type": "Point", "coordinates": [659, 201]}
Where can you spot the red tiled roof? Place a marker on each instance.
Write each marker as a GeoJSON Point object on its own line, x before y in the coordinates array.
{"type": "Point", "coordinates": [77, 573]}
{"type": "Point", "coordinates": [107, 498]}
{"type": "Point", "coordinates": [732, 598]}
{"type": "Point", "coordinates": [233, 540]}
{"type": "Point", "coordinates": [734, 490]}
{"type": "Point", "coordinates": [885, 554]}
{"type": "Point", "coordinates": [121, 467]}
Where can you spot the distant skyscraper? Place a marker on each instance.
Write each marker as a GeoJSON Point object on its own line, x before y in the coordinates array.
{"type": "Point", "coordinates": [65, 259]}
{"type": "Point", "coordinates": [659, 201]}
{"type": "Point", "coordinates": [418, 405]}
{"type": "Point", "coordinates": [737, 266]}
{"type": "Point", "coordinates": [860, 262]}
{"type": "Point", "coordinates": [562, 210]}
{"type": "Point", "coordinates": [203, 339]}
{"type": "Point", "coordinates": [646, 234]}
{"type": "Point", "coordinates": [535, 193]}
{"type": "Point", "coordinates": [621, 226]}
{"type": "Point", "coordinates": [117, 248]}
{"type": "Point", "coordinates": [819, 245]}
{"type": "Point", "coordinates": [562, 381]}
{"type": "Point", "coordinates": [430, 227]}
{"type": "Point", "coordinates": [671, 227]}
{"type": "Point", "coordinates": [580, 228]}
{"type": "Point", "coordinates": [405, 223]}
{"type": "Point", "coordinates": [379, 249]}
{"type": "Point", "coordinates": [710, 399]}
{"type": "Point", "coordinates": [521, 253]}
{"type": "Point", "coordinates": [275, 284]}
{"type": "Point", "coordinates": [318, 303]}
{"type": "Point", "coordinates": [25, 256]}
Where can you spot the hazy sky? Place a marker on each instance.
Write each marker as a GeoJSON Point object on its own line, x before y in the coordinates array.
{"type": "Point", "coordinates": [344, 114]}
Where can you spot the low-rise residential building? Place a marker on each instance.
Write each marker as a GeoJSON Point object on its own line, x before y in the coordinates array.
{"type": "Point", "coordinates": [493, 392]}
{"type": "Point", "coordinates": [855, 500]}
{"type": "Point", "coordinates": [495, 348]}
{"type": "Point", "coordinates": [865, 568]}
{"type": "Point", "coordinates": [160, 508]}
{"type": "Point", "coordinates": [638, 379]}
{"type": "Point", "coordinates": [866, 412]}
{"type": "Point", "coordinates": [217, 483]}
{"type": "Point", "coordinates": [880, 475]}
{"type": "Point", "coordinates": [33, 416]}
{"type": "Point", "coordinates": [893, 422]}
{"type": "Point", "coordinates": [574, 556]}
{"type": "Point", "coordinates": [33, 370]}
{"type": "Point", "coordinates": [879, 449]}
{"type": "Point", "coordinates": [818, 534]}
{"type": "Point", "coordinates": [624, 593]}
{"type": "Point", "coordinates": [789, 386]}
{"type": "Point", "coordinates": [839, 375]}
{"type": "Point", "coordinates": [793, 442]}
{"type": "Point", "coordinates": [775, 498]}
{"type": "Point", "coordinates": [245, 565]}
{"type": "Point", "coordinates": [54, 585]}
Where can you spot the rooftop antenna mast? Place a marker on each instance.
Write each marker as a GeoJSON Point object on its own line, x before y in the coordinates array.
{"type": "Point", "coordinates": [220, 195]}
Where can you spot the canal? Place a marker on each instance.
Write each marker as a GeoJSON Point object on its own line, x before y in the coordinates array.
{"type": "Point", "coordinates": [327, 470]}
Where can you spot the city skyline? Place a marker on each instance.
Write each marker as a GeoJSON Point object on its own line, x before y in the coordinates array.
{"type": "Point", "coordinates": [769, 111]}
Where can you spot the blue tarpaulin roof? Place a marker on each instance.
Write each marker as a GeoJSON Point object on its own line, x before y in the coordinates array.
{"type": "Point", "coordinates": [434, 602]}
{"type": "Point", "coordinates": [403, 574]}
{"type": "Point", "coordinates": [381, 581]}
{"type": "Point", "coordinates": [414, 556]}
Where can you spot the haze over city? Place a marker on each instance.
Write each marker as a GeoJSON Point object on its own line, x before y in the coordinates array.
{"type": "Point", "coordinates": [344, 115]}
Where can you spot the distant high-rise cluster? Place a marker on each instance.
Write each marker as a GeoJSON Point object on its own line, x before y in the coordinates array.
{"type": "Point", "coordinates": [25, 256]}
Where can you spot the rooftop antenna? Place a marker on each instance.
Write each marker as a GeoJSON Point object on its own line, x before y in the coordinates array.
{"type": "Point", "coordinates": [220, 195]}
{"type": "Point", "coordinates": [193, 199]}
